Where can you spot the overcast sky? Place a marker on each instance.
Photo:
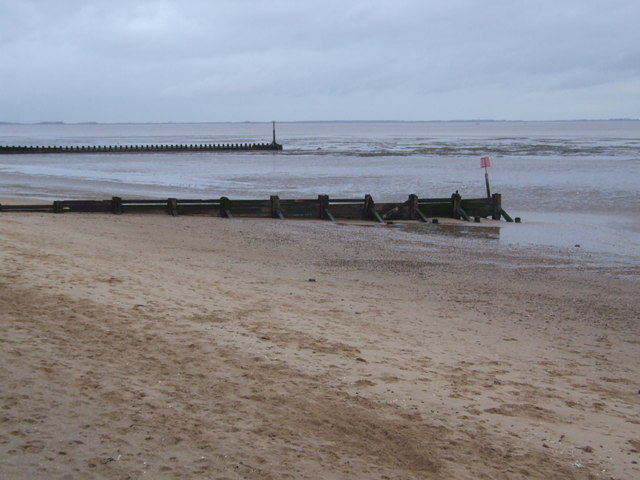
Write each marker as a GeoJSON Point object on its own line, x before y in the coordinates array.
{"type": "Point", "coordinates": [237, 60]}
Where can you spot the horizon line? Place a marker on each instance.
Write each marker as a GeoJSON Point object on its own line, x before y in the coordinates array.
{"type": "Point", "coordinates": [484, 120]}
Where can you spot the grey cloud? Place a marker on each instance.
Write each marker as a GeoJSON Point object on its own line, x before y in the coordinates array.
{"type": "Point", "coordinates": [233, 60]}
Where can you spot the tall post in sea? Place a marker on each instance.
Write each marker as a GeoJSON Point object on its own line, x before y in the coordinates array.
{"type": "Point", "coordinates": [485, 163]}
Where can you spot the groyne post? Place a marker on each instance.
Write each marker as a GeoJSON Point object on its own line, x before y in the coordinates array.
{"type": "Point", "coordinates": [369, 211]}
{"type": "Point", "coordinates": [496, 204]}
{"type": "Point", "coordinates": [172, 206]}
{"type": "Point", "coordinates": [323, 206]}
{"type": "Point", "coordinates": [456, 202]}
{"type": "Point", "coordinates": [116, 205]}
{"type": "Point", "coordinates": [225, 207]}
{"type": "Point", "coordinates": [367, 207]}
{"type": "Point", "coordinates": [413, 206]}
{"type": "Point", "coordinates": [276, 212]}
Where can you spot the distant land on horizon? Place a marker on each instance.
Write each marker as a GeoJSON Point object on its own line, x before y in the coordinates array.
{"type": "Point", "coordinates": [61, 122]}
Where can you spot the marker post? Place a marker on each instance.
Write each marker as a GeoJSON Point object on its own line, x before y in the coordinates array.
{"type": "Point", "coordinates": [486, 163]}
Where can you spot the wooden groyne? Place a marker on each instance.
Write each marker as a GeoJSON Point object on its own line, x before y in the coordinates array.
{"type": "Point", "coordinates": [159, 148]}
{"type": "Point", "coordinates": [323, 208]}
{"type": "Point", "coordinates": [205, 147]}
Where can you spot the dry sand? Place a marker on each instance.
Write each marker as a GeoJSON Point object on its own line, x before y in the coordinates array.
{"type": "Point", "coordinates": [159, 347]}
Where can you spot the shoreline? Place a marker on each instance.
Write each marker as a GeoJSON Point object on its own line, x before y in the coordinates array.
{"type": "Point", "coordinates": [196, 346]}
{"type": "Point", "coordinates": [598, 240]}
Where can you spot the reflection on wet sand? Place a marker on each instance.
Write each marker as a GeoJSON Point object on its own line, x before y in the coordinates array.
{"type": "Point", "coordinates": [481, 231]}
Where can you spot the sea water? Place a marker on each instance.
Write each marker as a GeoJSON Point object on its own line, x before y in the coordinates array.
{"type": "Point", "coordinates": [573, 183]}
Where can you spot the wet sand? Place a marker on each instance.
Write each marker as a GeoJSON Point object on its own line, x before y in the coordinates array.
{"type": "Point", "coordinates": [160, 347]}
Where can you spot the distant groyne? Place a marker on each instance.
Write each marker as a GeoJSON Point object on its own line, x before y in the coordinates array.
{"type": "Point", "coordinates": [158, 148]}
{"type": "Point", "coordinates": [206, 147]}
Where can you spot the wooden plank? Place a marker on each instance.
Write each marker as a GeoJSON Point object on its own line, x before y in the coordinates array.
{"type": "Point", "coordinates": [376, 215]}
{"type": "Point", "coordinates": [251, 212]}
{"type": "Point", "coordinates": [300, 200]}
{"type": "Point", "coordinates": [421, 215]}
{"type": "Point", "coordinates": [329, 215]}
{"type": "Point", "coordinates": [26, 208]}
{"type": "Point", "coordinates": [300, 208]}
{"type": "Point", "coordinates": [434, 200]}
{"type": "Point", "coordinates": [86, 206]}
{"type": "Point", "coordinates": [506, 216]}
{"type": "Point", "coordinates": [463, 214]}
{"type": "Point", "coordinates": [186, 201]}
{"type": "Point", "coordinates": [347, 211]}
{"type": "Point", "coordinates": [210, 209]}
{"type": "Point", "coordinates": [145, 208]}
{"type": "Point", "coordinates": [435, 210]}
{"type": "Point", "coordinates": [478, 207]}
{"type": "Point", "coordinates": [395, 209]}
{"type": "Point", "coordinates": [346, 200]}
{"type": "Point", "coordinates": [145, 202]}
{"type": "Point", "coordinates": [251, 208]}
{"type": "Point", "coordinates": [250, 203]}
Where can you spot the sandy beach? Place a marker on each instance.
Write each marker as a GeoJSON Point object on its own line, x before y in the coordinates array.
{"type": "Point", "coordinates": [150, 346]}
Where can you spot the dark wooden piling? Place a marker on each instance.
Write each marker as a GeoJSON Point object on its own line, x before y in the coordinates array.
{"type": "Point", "coordinates": [225, 208]}
{"type": "Point", "coordinates": [116, 205]}
{"type": "Point", "coordinates": [369, 210]}
{"type": "Point", "coordinates": [323, 208]}
{"type": "Point", "coordinates": [413, 206]}
{"type": "Point", "coordinates": [507, 217]}
{"type": "Point", "coordinates": [456, 200]}
{"type": "Point", "coordinates": [497, 206]}
{"type": "Point", "coordinates": [463, 214]}
{"type": "Point", "coordinates": [172, 206]}
{"type": "Point", "coordinates": [276, 212]}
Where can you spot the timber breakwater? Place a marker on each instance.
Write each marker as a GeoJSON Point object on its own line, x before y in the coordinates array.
{"type": "Point", "coordinates": [158, 148]}
{"type": "Point", "coordinates": [205, 147]}
{"type": "Point", "coordinates": [322, 208]}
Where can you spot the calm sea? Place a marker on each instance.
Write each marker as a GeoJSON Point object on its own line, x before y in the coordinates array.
{"type": "Point", "coordinates": [573, 183]}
